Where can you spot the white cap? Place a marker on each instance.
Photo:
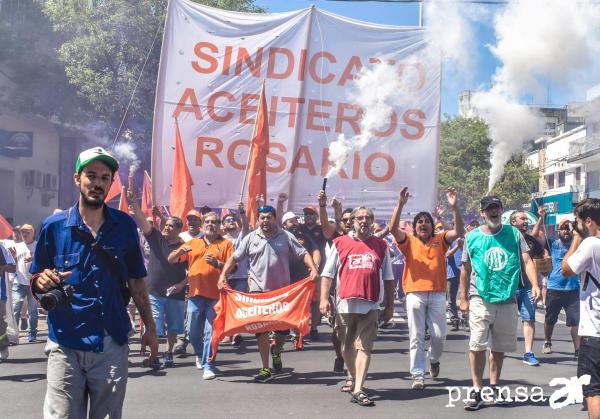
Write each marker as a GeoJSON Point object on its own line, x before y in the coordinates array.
{"type": "Point", "coordinates": [288, 216]}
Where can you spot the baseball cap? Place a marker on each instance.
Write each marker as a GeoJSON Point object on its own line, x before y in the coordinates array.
{"type": "Point", "coordinates": [288, 216]}
{"type": "Point", "coordinates": [490, 200]}
{"type": "Point", "coordinates": [27, 227]}
{"type": "Point", "coordinates": [93, 154]}
{"type": "Point", "coordinates": [193, 213]}
{"type": "Point", "coordinates": [311, 208]}
{"type": "Point", "coordinates": [560, 225]}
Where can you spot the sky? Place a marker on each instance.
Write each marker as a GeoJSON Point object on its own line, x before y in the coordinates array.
{"type": "Point", "coordinates": [407, 14]}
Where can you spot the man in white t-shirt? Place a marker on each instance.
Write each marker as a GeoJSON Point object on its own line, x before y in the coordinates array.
{"type": "Point", "coordinates": [21, 288]}
{"type": "Point", "coordinates": [583, 258]}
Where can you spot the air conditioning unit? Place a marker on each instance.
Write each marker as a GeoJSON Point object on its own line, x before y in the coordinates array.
{"type": "Point", "coordinates": [28, 179]}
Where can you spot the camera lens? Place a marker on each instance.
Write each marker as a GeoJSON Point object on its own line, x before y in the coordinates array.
{"type": "Point", "coordinates": [51, 299]}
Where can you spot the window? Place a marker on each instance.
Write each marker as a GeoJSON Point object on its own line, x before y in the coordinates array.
{"type": "Point", "coordinates": [561, 179]}
{"type": "Point", "coordinates": [578, 175]}
{"type": "Point", "coordinates": [550, 181]}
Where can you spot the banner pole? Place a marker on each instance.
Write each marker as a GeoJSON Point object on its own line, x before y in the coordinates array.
{"type": "Point", "coordinates": [252, 143]}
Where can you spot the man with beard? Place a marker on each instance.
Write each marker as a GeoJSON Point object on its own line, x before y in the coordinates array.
{"type": "Point", "coordinates": [583, 258]}
{"type": "Point", "coordinates": [424, 282]}
{"type": "Point", "coordinates": [360, 263]}
{"type": "Point", "coordinates": [489, 276]}
{"type": "Point", "coordinates": [95, 250]}
{"type": "Point", "coordinates": [525, 300]}
{"type": "Point", "coordinates": [310, 228]}
{"type": "Point", "coordinates": [269, 251]}
{"type": "Point", "coordinates": [206, 257]}
{"type": "Point", "coordinates": [563, 291]}
{"type": "Point", "coordinates": [238, 280]}
{"type": "Point", "coordinates": [166, 282]}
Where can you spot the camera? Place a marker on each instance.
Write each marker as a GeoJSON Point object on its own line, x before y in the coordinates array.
{"type": "Point", "coordinates": [574, 227]}
{"type": "Point", "coordinates": [55, 296]}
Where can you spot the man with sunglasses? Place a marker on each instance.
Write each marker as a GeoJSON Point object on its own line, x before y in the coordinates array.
{"type": "Point", "coordinates": [583, 257]}
{"type": "Point", "coordinates": [269, 250]}
{"type": "Point", "coordinates": [206, 257]}
{"type": "Point", "coordinates": [360, 264]}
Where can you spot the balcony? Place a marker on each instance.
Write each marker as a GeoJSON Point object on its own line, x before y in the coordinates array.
{"type": "Point", "coordinates": [585, 150]}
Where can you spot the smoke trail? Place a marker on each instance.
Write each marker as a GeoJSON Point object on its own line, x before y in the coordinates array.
{"type": "Point", "coordinates": [375, 91]}
{"type": "Point", "coordinates": [126, 151]}
{"type": "Point", "coordinates": [550, 39]}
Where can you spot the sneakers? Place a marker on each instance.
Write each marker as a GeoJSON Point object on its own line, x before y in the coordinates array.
{"type": "Point", "coordinates": [208, 374]}
{"type": "Point", "coordinates": [338, 365]}
{"type": "Point", "coordinates": [237, 340]}
{"type": "Point", "coordinates": [530, 359]}
{"type": "Point", "coordinates": [455, 322]}
{"type": "Point", "coordinates": [168, 359]}
{"type": "Point", "coordinates": [474, 402]}
{"type": "Point", "coordinates": [198, 362]}
{"type": "Point", "coordinates": [32, 339]}
{"type": "Point", "coordinates": [264, 375]}
{"type": "Point", "coordinates": [277, 364]}
{"type": "Point", "coordinates": [547, 347]}
{"type": "Point", "coordinates": [153, 364]}
{"type": "Point", "coordinates": [499, 399]}
{"type": "Point", "coordinates": [314, 334]}
{"type": "Point", "coordinates": [418, 383]}
{"type": "Point", "coordinates": [24, 324]}
{"type": "Point", "coordinates": [434, 369]}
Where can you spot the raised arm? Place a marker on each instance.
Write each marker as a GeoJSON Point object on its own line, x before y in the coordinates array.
{"type": "Point", "coordinates": [281, 198]}
{"type": "Point", "coordinates": [397, 232]}
{"type": "Point", "coordinates": [138, 215]}
{"type": "Point", "coordinates": [459, 227]}
{"type": "Point", "coordinates": [328, 229]}
{"type": "Point", "coordinates": [538, 231]}
{"type": "Point", "coordinates": [243, 219]}
{"type": "Point", "coordinates": [337, 210]}
{"type": "Point", "coordinates": [157, 213]}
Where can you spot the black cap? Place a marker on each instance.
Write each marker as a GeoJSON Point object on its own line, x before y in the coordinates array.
{"type": "Point", "coordinates": [488, 201]}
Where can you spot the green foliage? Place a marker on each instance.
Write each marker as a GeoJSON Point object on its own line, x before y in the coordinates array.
{"type": "Point", "coordinates": [465, 164]}
{"type": "Point", "coordinates": [33, 79]}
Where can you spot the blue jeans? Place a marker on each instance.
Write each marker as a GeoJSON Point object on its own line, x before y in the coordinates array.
{"type": "Point", "coordinates": [200, 317]}
{"type": "Point", "coordinates": [20, 293]}
{"type": "Point", "coordinates": [167, 311]}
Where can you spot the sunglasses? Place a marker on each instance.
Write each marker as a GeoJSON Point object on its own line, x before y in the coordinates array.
{"type": "Point", "coordinates": [228, 219]}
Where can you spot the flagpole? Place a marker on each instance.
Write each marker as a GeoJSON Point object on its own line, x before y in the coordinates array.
{"type": "Point", "coordinates": [262, 89]}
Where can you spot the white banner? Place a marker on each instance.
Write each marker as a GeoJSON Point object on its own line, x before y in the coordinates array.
{"type": "Point", "coordinates": [212, 64]}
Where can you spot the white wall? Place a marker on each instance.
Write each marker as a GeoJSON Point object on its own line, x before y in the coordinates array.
{"type": "Point", "coordinates": [27, 203]}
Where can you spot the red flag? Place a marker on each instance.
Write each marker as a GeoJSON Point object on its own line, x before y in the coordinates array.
{"type": "Point", "coordinates": [115, 188]}
{"type": "Point", "coordinates": [257, 169]}
{"type": "Point", "coordinates": [123, 204]}
{"type": "Point", "coordinates": [147, 195]}
{"type": "Point", "coordinates": [182, 200]}
{"type": "Point", "coordinates": [6, 230]}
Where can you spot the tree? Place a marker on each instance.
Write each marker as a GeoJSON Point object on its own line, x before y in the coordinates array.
{"type": "Point", "coordinates": [465, 164]}
{"type": "Point", "coordinates": [105, 47]}
{"type": "Point", "coordinates": [33, 79]}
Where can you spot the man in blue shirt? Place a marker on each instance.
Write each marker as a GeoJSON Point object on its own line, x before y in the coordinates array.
{"type": "Point", "coordinates": [563, 291]}
{"type": "Point", "coordinates": [87, 346]}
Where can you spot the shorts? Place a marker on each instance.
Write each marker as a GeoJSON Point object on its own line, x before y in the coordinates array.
{"type": "Point", "coordinates": [358, 330]}
{"type": "Point", "coordinates": [238, 284]}
{"type": "Point", "coordinates": [557, 300]}
{"type": "Point", "coordinates": [493, 326]}
{"type": "Point", "coordinates": [589, 363]}
{"type": "Point", "coordinates": [526, 305]}
{"type": "Point", "coordinates": [169, 311]}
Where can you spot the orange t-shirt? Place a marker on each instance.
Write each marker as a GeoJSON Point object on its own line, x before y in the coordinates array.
{"type": "Point", "coordinates": [425, 264]}
{"type": "Point", "coordinates": [202, 276]}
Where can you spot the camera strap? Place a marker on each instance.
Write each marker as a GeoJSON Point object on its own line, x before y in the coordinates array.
{"type": "Point", "coordinates": [108, 261]}
{"type": "Point", "coordinates": [589, 276]}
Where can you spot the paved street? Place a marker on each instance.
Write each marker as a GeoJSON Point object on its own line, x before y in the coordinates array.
{"type": "Point", "coordinates": [306, 388]}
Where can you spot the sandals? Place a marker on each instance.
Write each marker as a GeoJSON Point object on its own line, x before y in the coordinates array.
{"type": "Point", "coordinates": [349, 386]}
{"type": "Point", "coordinates": [361, 399]}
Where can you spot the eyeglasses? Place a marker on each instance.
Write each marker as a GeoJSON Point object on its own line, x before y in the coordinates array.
{"type": "Point", "coordinates": [362, 217]}
{"type": "Point", "coordinates": [211, 222]}
{"type": "Point", "coordinates": [345, 220]}
{"type": "Point", "coordinates": [266, 208]}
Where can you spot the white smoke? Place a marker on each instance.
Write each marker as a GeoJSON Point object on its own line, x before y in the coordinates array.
{"type": "Point", "coordinates": [536, 40]}
{"type": "Point", "coordinates": [375, 91]}
{"type": "Point", "coordinates": [126, 152]}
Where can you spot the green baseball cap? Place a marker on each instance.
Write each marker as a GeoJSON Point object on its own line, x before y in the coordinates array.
{"type": "Point", "coordinates": [96, 153]}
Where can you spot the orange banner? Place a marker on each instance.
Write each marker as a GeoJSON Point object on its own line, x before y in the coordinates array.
{"type": "Point", "coordinates": [282, 309]}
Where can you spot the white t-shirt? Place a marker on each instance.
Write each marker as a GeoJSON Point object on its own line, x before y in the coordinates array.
{"type": "Point", "coordinates": [186, 236]}
{"type": "Point", "coordinates": [587, 259]}
{"type": "Point", "coordinates": [355, 305]}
